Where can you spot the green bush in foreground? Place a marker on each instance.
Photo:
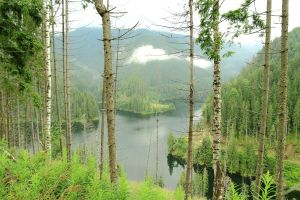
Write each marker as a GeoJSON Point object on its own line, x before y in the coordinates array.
{"type": "Point", "coordinates": [32, 177]}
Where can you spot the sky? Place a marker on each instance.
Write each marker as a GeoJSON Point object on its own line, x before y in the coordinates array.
{"type": "Point", "coordinates": [152, 13]}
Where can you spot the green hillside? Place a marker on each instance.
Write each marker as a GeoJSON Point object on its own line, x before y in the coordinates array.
{"type": "Point", "coordinates": [162, 80]}
{"type": "Point", "coordinates": [243, 95]}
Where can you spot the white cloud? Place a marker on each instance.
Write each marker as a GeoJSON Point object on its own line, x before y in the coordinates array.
{"type": "Point", "coordinates": [202, 63]}
{"type": "Point", "coordinates": [148, 53]}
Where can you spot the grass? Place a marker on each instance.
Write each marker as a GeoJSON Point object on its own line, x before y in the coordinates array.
{"type": "Point", "coordinates": [33, 177]}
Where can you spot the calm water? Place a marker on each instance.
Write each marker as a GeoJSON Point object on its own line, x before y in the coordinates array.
{"type": "Point", "coordinates": [134, 134]}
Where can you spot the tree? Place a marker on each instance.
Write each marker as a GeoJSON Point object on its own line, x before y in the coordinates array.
{"type": "Point", "coordinates": [282, 130]}
{"type": "Point", "coordinates": [191, 104]}
{"type": "Point", "coordinates": [54, 63]}
{"type": "Point", "coordinates": [265, 102]}
{"type": "Point", "coordinates": [46, 8]}
{"type": "Point", "coordinates": [102, 128]}
{"type": "Point", "coordinates": [211, 41]}
{"type": "Point", "coordinates": [109, 88]}
{"type": "Point", "coordinates": [67, 86]}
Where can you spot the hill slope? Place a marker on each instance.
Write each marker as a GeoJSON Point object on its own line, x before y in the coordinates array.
{"type": "Point", "coordinates": [148, 59]}
{"type": "Point", "coordinates": [243, 95]}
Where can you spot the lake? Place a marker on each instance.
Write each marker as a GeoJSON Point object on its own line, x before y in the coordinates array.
{"type": "Point", "coordinates": [134, 134]}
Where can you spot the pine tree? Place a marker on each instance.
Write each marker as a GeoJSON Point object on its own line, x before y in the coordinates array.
{"type": "Point", "coordinates": [265, 102]}
{"type": "Point", "coordinates": [282, 130]}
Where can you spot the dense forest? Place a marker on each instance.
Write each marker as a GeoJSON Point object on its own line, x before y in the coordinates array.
{"type": "Point", "coordinates": [182, 109]}
{"type": "Point", "coordinates": [243, 116]}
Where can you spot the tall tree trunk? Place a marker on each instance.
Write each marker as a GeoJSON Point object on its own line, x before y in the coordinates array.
{"type": "Point", "coordinates": [283, 99]}
{"type": "Point", "coordinates": [109, 88]}
{"type": "Point", "coordinates": [189, 170]}
{"type": "Point", "coordinates": [1, 116]}
{"type": "Point", "coordinates": [11, 116]}
{"type": "Point", "coordinates": [46, 7]}
{"type": "Point", "coordinates": [54, 64]}
{"type": "Point", "coordinates": [265, 103]}
{"type": "Point", "coordinates": [156, 164]}
{"type": "Point", "coordinates": [64, 70]}
{"type": "Point", "coordinates": [40, 112]}
{"type": "Point", "coordinates": [102, 128]}
{"type": "Point", "coordinates": [18, 123]}
{"type": "Point", "coordinates": [117, 67]}
{"type": "Point", "coordinates": [8, 122]}
{"type": "Point", "coordinates": [33, 140]}
{"type": "Point", "coordinates": [218, 174]}
{"type": "Point", "coordinates": [68, 106]}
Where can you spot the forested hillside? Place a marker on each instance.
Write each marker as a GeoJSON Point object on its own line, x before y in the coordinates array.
{"type": "Point", "coordinates": [158, 60]}
{"type": "Point", "coordinates": [242, 96]}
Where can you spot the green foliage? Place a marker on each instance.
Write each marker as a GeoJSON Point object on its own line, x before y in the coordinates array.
{"type": "Point", "coordinates": [35, 178]}
{"type": "Point", "coordinates": [177, 146]}
{"type": "Point", "coordinates": [135, 97]}
{"type": "Point", "coordinates": [245, 91]}
{"type": "Point", "coordinates": [292, 173]}
{"type": "Point", "coordinates": [171, 139]}
{"type": "Point", "coordinates": [149, 191]}
{"type": "Point", "coordinates": [267, 189]}
{"type": "Point", "coordinates": [179, 193]}
{"type": "Point", "coordinates": [233, 194]}
{"type": "Point", "coordinates": [204, 153]}
{"type": "Point", "coordinates": [20, 41]}
{"type": "Point", "coordinates": [83, 105]}
{"type": "Point", "coordinates": [241, 20]}
{"type": "Point", "coordinates": [200, 183]}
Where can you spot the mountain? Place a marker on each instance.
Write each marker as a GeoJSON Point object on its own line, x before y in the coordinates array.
{"type": "Point", "coordinates": [152, 57]}
{"type": "Point", "coordinates": [242, 96]}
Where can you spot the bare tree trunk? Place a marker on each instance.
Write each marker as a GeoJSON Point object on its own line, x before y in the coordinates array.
{"type": "Point", "coordinates": [189, 170]}
{"type": "Point", "coordinates": [69, 122]}
{"type": "Point", "coordinates": [46, 7]}
{"type": "Point", "coordinates": [55, 64]}
{"type": "Point", "coordinates": [117, 67]}
{"type": "Point", "coordinates": [37, 128]}
{"type": "Point", "coordinates": [8, 121]}
{"type": "Point", "coordinates": [109, 88]}
{"type": "Point", "coordinates": [18, 123]}
{"type": "Point", "coordinates": [1, 116]}
{"type": "Point", "coordinates": [40, 112]}
{"type": "Point", "coordinates": [283, 100]}
{"type": "Point", "coordinates": [102, 128]}
{"type": "Point", "coordinates": [32, 128]}
{"type": "Point", "coordinates": [218, 174]}
{"type": "Point", "coordinates": [64, 72]}
{"type": "Point", "coordinates": [12, 125]}
{"type": "Point", "coordinates": [156, 168]}
{"type": "Point", "coordinates": [264, 116]}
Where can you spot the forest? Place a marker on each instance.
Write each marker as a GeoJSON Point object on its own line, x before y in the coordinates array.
{"type": "Point", "coordinates": [149, 100]}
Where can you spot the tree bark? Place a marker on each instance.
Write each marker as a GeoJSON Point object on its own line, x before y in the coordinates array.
{"type": "Point", "coordinates": [33, 140]}
{"type": "Point", "coordinates": [109, 88]}
{"type": "Point", "coordinates": [18, 123]}
{"type": "Point", "coordinates": [46, 7]}
{"type": "Point", "coordinates": [102, 129]}
{"type": "Point", "coordinates": [54, 64]}
{"type": "Point", "coordinates": [8, 121]}
{"type": "Point", "coordinates": [117, 67]}
{"type": "Point", "coordinates": [156, 164]}
{"type": "Point", "coordinates": [282, 100]}
{"type": "Point", "coordinates": [265, 102]}
{"type": "Point", "coordinates": [189, 167]}
{"type": "Point", "coordinates": [218, 175]}
{"type": "Point", "coordinates": [1, 116]}
{"type": "Point", "coordinates": [69, 124]}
